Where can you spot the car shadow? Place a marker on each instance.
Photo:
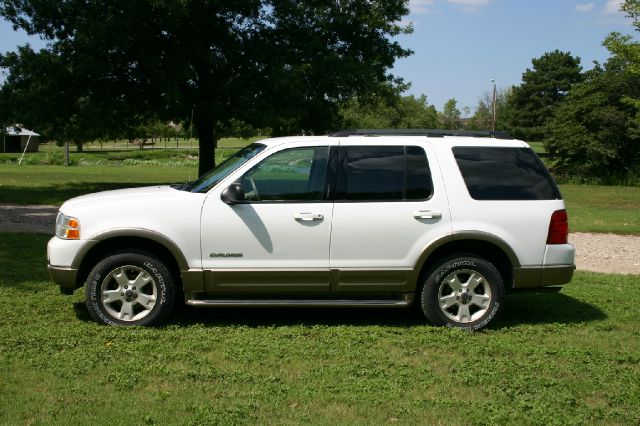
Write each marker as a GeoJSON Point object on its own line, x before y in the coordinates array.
{"type": "Point", "coordinates": [518, 309]}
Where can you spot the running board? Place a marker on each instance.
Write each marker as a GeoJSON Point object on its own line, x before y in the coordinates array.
{"type": "Point", "coordinates": [294, 303]}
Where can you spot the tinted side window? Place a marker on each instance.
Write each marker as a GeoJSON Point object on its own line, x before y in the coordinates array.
{"type": "Point", "coordinates": [383, 173]}
{"type": "Point", "coordinates": [504, 174]}
{"type": "Point", "coordinates": [297, 174]}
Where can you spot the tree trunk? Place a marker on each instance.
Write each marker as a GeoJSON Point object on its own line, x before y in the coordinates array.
{"type": "Point", "coordinates": [207, 142]}
{"type": "Point", "coordinates": [79, 146]}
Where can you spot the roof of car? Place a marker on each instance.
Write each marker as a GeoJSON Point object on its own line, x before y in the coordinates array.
{"type": "Point", "coordinates": [399, 139]}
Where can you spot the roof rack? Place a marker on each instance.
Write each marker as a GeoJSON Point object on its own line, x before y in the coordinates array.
{"type": "Point", "coordinates": [435, 133]}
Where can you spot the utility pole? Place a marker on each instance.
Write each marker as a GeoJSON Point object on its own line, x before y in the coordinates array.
{"type": "Point", "coordinates": [493, 107]}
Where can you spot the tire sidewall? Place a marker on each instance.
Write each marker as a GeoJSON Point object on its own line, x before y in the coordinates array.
{"type": "Point", "coordinates": [147, 262]}
{"type": "Point", "coordinates": [430, 292]}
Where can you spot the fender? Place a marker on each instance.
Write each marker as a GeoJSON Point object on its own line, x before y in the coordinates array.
{"type": "Point", "coordinates": [460, 236]}
{"type": "Point", "coordinates": [132, 232]}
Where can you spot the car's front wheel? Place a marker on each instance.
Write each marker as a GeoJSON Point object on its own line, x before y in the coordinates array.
{"type": "Point", "coordinates": [130, 289]}
{"type": "Point", "coordinates": [462, 291]}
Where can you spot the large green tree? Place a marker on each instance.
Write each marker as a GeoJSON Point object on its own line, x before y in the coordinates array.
{"type": "Point", "coordinates": [283, 64]}
{"type": "Point", "coordinates": [41, 93]}
{"type": "Point", "coordinates": [543, 88]}
{"type": "Point", "coordinates": [594, 134]}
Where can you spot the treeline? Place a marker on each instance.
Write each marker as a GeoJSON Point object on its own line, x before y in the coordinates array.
{"type": "Point", "coordinates": [293, 68]}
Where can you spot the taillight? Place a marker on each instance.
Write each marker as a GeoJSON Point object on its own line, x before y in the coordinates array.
{"type": "Point", "coordinates": [558, 228]}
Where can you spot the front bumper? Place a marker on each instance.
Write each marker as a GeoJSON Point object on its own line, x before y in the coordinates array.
{"type": "Point", "coordinates": [60, 257]}
{"type": "Point", "coordinates": [64, 277]}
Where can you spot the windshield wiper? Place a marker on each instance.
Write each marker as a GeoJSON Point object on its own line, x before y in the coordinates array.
{"type": "Point", "coordinates": [181, 186]}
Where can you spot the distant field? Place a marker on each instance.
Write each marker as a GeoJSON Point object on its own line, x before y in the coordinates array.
{"type": "Point", "coordinates": [185, 154]}
{"type": "Point", "coordinates": [592, 208]}
{"type": "Point", "coordinates": [567, 358]}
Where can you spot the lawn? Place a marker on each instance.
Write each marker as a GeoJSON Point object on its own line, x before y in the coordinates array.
{"type": "Point", "coordinates": [567, 358]}
{"type": "Point", "coordinates": [594, 208]}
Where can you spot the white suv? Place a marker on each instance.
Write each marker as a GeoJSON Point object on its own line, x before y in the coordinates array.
{"type": "Point", "coordinates": [365, 218]}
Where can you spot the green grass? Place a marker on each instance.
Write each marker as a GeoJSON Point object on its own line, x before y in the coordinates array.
{"type": "Point", "coordinates": [609, 209]}
{"type": "Point", "coordinates": [567, 358]}
{"type": "Point", "coordinates": [538, 147]}
{"type": "Point", "coordinates": [55, 184]}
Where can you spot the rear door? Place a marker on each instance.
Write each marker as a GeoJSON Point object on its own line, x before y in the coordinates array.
{"type": "Point", "coordinates": [388, 207]}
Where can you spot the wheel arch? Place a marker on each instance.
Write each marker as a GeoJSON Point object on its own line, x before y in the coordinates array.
{"type": "Point", "coordinates": [136, 239]}
{"type": "Point", "coordinates": [487, 246]}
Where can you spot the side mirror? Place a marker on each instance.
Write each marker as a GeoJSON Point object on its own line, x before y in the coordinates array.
{"type": "Point", "coordinates": [234, 194]}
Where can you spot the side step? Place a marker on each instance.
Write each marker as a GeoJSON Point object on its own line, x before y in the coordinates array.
{"type": "Point", "coordinates": [294, 303]}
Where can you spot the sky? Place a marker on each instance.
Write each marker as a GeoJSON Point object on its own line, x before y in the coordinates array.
{"type": "Point", "coordinates": [460, 45]}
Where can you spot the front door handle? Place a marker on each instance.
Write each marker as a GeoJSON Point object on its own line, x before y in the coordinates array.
{"type": "Point", "coordinates": [427, 214]}
{"type": "Point", "coordinates": [306, 216]}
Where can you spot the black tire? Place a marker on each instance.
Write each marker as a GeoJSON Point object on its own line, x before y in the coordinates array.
{"type": "Point", "coordinates": [130, 288]}
{"type": "Point", "coordinates": [462, 291]}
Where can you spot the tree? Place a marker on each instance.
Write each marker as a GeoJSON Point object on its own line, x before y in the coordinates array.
{"type": "Point", "coordinates": [396, 112]}
{"type": "Point", "coordinates": [416, 113]}
{"type": "Point", "coordinates": [41, 93]}
{"type": "Point", "coordinates": [594, 134]}
{"type": "Point", "coordinates": [284, 64]}
{"type": "Point", "coordinates": [632, 9]}
{"type": "Point", "coordinates": [543, 88]}
{"type": "Point", "coordinates": [627, 50]}
{"type": "Point", "coordinates": [450, 116]}
{"type": "Point", "coordinates": [483, 114]}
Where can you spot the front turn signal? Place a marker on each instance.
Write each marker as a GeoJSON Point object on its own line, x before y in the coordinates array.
{"type": "Point", "coordinates": [67, 227]}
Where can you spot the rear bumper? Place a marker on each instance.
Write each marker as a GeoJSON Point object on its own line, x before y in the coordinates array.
{"type": "Point", "coordinates": [542, 276]}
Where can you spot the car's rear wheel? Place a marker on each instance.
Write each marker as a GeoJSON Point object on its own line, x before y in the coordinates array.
{"type": "Point", "coordinates": [462, 291]}
{"type": "Point", "coordinates": [130, 289]}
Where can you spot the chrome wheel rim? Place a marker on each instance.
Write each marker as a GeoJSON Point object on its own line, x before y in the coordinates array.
{"type": "Point", "coordinates": [128, 293]}
{"type": "Point", "coordinates": [464, 296]}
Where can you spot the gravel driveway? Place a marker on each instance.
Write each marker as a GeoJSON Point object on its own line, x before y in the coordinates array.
{"type": "Point", "coordinates": [609, 253]}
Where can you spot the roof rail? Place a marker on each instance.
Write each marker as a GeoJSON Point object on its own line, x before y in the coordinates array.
{"type": "Point", "coordinates": [436, 133]}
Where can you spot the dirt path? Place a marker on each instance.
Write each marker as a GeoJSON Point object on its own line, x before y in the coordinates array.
{"type": "Point", "coordinates": [32, 219]}
{"type": "Point", "coordinates": [609, 253]}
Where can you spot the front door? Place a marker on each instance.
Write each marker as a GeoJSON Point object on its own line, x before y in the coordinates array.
{"type": "Point", "coordinates": [277, 241]}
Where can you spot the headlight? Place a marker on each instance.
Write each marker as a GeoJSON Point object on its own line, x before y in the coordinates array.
{"type": "Point", "coordinates": [67, 227]}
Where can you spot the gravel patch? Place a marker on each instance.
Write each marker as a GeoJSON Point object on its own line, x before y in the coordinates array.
{"type": "Point", "coordinates": [608, 253]}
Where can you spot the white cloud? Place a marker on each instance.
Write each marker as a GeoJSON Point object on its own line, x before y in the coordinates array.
{"type": "Point", "coordinates": [419, 6]}
{"type": "Point", "coordinates": [613, 7]}
{"type": "Point", "coordinates": [471, 5]}
{"type": "Point", "coordinates": [586, 7]}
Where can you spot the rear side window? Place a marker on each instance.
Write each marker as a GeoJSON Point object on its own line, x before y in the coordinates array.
{"type": "Point", "coordinates": [505, 174]}
{"type": "Point", "coordinates": [383, 173]}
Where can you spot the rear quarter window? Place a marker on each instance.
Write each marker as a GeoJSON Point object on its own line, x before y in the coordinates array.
{"type": "Point", "coordinates": [505, 174]}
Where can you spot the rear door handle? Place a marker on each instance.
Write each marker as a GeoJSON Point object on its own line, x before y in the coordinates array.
{"type": "Point", "coordinates": [306, 216]}
{"type": "Point", "coordinates": [427, 214]}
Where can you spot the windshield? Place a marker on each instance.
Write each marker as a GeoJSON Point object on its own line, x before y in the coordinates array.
{"type": "Point", "coordinates": [215, 175]}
